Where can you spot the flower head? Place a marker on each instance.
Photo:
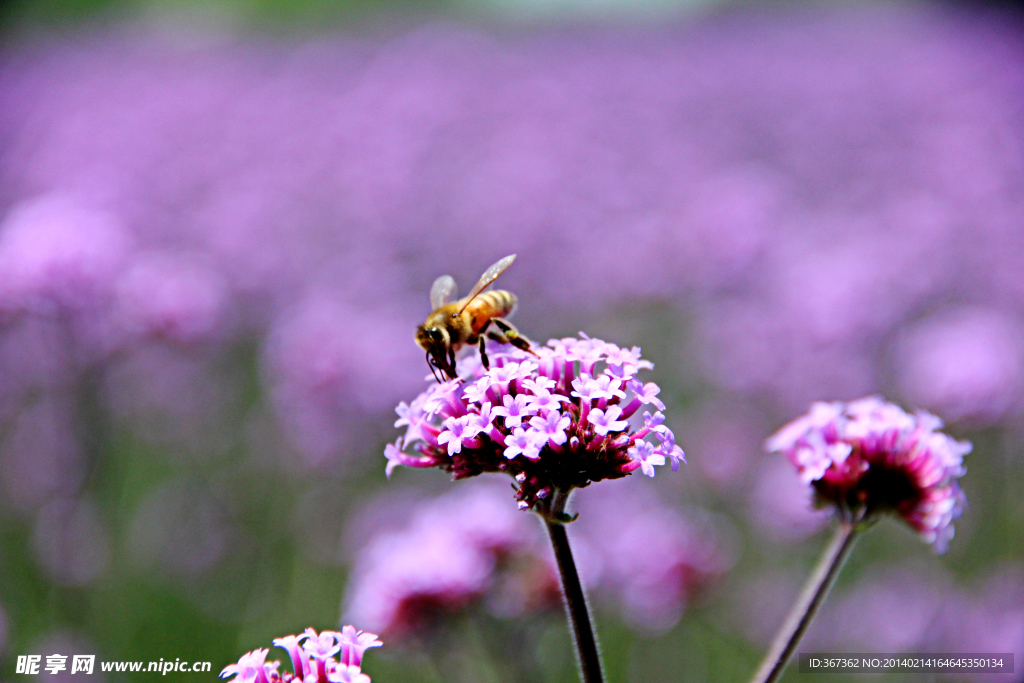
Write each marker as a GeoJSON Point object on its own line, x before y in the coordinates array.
{"type": "Point", "coordinates": [300, 660]}
{"type": "Point", "coordinates": [515, 408]}
{"type": "Point", "coordinates": [869, 457]}
{"type": "Point", "coordinates": [321, 646]}
{"type": "Point", "coordinates": [354, 643]}
{"type": "Point", "coordinates": [56, 251]}
{"type": "Point", "coordinates": [523, 443]}
{"type": "Point", "coordinates": [451, 554]}
{"type": "Point", "coordinates": [551, 427]}
{"type": "Point", "coordinates": [470, 549]}
{"type": "Point", "coordinates": [250, 668]}
{"type": "Point", "coordinates": [604, 422]}
{"type": "Point", "coordinates": [458, 431]}
{"type": "Point", "coordinates": [644, 454]}
{"type": "Point", "coordinates": [312, 656]}
{"type": "Point", "coordinates": [557, 421]}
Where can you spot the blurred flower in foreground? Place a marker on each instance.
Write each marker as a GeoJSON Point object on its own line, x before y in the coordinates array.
{"type": "Point", "coordinates": [965, 363]}
{"type": "Point", "coordinates": [469, 547]}
{"type": "Point", "coordinates": [318, 373]}
{"type": "Point", "coordinates": [653, 557]}
{"type": "Point", "coordinates": [448, 557]}
{"type": "Point", "coordinates": [179, 297]}
{"type": "Point", "coordinates": [554, 422]}
{"type": "Point", "coordinates": [312, 659]}
{"type": "Point", "coordinates": [869, 457]}
{"type": "Point", "coordinates": [900, 610]}
{"type": "Point", "coordinates": [56, 252]}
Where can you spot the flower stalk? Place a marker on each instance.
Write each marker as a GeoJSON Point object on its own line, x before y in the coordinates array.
{"type": "Point", "coordinates": [807, 605]}
{"type": "Point", "coordinates": [575, 600]}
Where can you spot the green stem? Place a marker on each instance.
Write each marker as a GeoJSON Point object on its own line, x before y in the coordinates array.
{"type": "Point", "coordinates": [575, 600]}
{"type": "Point", "coordinates": [807, 605]}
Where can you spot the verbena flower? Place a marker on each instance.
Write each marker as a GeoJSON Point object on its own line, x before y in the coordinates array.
{"type": "Point", "coordinates": [470, 549]}
{"type": "Point", "coordinates": [555, 421]}
{"type": "Point", "coordinates": [176, 296]}
{"type": "Point", "coordinates": [965, 362]}
{"type": "Point", "coordinates": [56, 252]}
{"type": "Point", "coordinates": [457, 550]}
{"type": "Point", "coordinates": [252, 668]}
{"type": "Point", "coordinates": [312, 657]}
{"type": "Point", "coordinates": [652, 558]}
{"type": "Point", "coordinates": [869, 457]}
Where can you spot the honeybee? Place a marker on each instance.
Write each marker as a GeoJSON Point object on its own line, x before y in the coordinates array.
{"type": "Point", "coordinates": [469, 320]}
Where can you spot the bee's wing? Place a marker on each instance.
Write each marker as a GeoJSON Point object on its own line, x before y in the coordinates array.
{"type": "Point", "coordinates": [489, 276]}
{"type": "Point", "coordinates": [441, 291]}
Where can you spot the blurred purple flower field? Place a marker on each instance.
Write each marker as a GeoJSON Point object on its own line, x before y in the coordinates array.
{"type": "Point", "coordinates": [213, 256]}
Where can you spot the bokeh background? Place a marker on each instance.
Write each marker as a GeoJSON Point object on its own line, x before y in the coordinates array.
{"type": "Point", "coordinates": [218, 226]}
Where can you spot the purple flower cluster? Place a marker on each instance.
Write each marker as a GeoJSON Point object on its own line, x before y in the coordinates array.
{"type": "Point", "coordinates": [649, 558]}
{"type": "Point", "coordinates": [868, 457]}
{"type": "Point", "coordinates": [967, 363]}
{"type": "Point", "coordinates": [555, 421]}
{"type": "Point", "coordinates": [455, 551]}
{"type": "Point", "coordinates": [312, 656]}
{"type": "Point", "coordinates": [470, 548]}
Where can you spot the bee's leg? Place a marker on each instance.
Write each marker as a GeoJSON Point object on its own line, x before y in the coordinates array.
{"type": "Point", "coordinates": [483, 354]}
{"type": "Point", "coordinates": [432, 364]}
{"type": "Point", "coordinates": [512, 335]}
{"type": "Point", "coordinates": [451, 363]}
{"type": "Point", "coordinates": [495, 335]}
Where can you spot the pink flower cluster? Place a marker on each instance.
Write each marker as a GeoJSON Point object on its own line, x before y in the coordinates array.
{"type": "Point", "coordinates": [869, 457]}
{"type": "Point", "coordinates": [649, 558]}
{"type": "Point", "coordinates": [456, 550]}
{"type": "Point", "coordinates": [469, 548]}
{"type": "Point", "coordinates": [312, 658]}
{"type": "Point", "coordinates": [553, 421]}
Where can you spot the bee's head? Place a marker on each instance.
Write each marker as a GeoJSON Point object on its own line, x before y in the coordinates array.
{"type": "Point", "coordinates": [436, 342]}
{"type": "Point", "coordinates": [432, 339]}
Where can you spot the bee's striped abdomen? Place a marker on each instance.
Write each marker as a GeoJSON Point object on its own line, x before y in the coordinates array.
{"type": "Point", "coordinates": [496, 303]}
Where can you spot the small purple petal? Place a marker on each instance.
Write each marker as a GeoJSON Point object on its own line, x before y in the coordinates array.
{"type": "Point", "coordinates": [605, 421]}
